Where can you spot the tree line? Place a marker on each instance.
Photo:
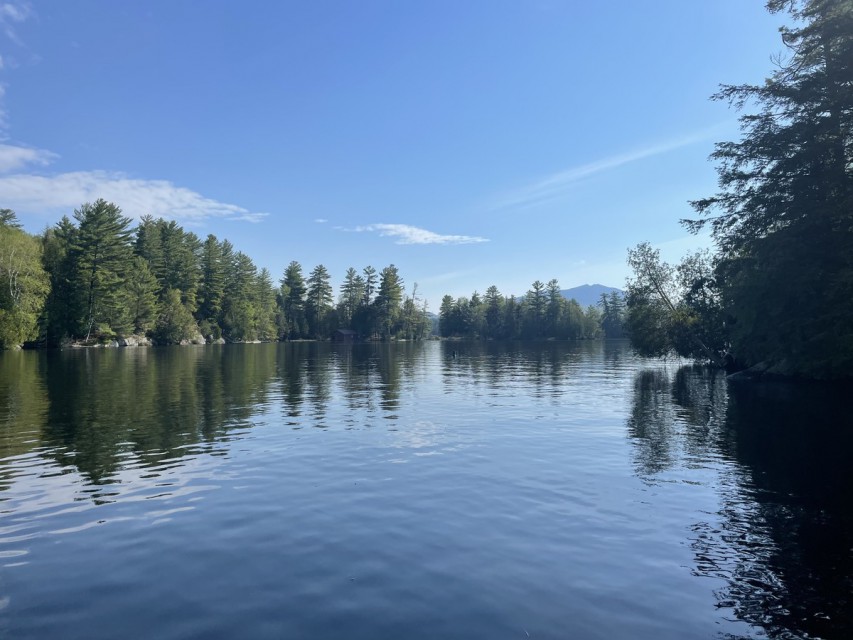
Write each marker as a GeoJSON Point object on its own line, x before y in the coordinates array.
{"type": "Point", "coordinates": [777, 292]}
{"type": "Point", "coordinates": [542, 313]}
{"type": "Point", "coordinates": [94, 277]}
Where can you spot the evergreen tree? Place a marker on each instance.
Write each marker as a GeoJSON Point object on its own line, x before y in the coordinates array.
{"type": "Point", "coordinates": [58, 319]}
{"type": "Point", "coordinates": [175, 322]}
{"type": "Point", "coordinates": [389, 299]}
{"type": "Point", "coordinates": [494, 312]}
{"type": "Point", "coordinates": [212, 288]}
{"type": "Point", "coordinates": [783, 219]}
{"type": "Point", "coordinates": [240, 311]}
{"type": "Point", "coordinates": [612, 314]}
{"type": "Point", "coordinates": [9, 219]}
{"type": "Point", "coordinates": [266, 307]}
{"type": "Point", "coordinates": [141, 296]}
{"type": "Point", "coordinates": [554, 326]}
{"type": "Point", "coordinates": [369, 284]}
{"type": "Point", "coordinates": [318, 301]}
{"type": "Point", "coordinates": [293, 302]}
{"type": "Point", "coordinates": [446, 324]}
{"type": "Point", "coordinates": [535, 301]}
{"type": "Point", "coordinates": [100, 253]}
{"type": "Point", "coordinates": [352, 295]}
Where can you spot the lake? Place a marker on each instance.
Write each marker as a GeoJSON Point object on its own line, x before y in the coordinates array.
{"type": "Point", "coordinates": [435, 490]}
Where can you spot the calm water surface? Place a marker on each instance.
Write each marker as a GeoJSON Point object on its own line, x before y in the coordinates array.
{"type": "Point", "coordinates": [407, 491]}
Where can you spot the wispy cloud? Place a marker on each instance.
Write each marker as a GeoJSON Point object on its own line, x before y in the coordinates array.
{"type": "Point", "coordinates": [62, 193]}
{"type": "Point", "coordinates": [320, 220]}
{"type": "Point", "coordinates": [407, 234]}
{"type": "Point", "coordinates": [555, 186]}
{"type": "Point", "coordinates": [11, 14]}
{"type": "Point", "coordinates": [13, 158]}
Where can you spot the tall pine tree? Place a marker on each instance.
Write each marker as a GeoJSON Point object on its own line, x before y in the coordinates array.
{"type": "Point", "coordinates": [783, 218]}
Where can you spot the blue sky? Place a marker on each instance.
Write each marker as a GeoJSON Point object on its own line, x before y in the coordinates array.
{"type": "Point", "coordinates": [468, 142]}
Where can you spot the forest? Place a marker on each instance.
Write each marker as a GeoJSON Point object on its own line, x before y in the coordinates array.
{"type": "Point", "coordinates": [542, 313]}
{"type": "Point", "coordinates": [94, 278]}
{"type": "Point", "coordinates": [776, 294]}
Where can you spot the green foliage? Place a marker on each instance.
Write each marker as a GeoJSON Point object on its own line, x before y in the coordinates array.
{"type": "Point", "coordinates": [240, 305]}
{"type": "Point", "coordinates": [388, 300]}
{"type": "Point", "coordinates": [58, 319]}
{"type": "Point", "coordinates": [212, 289]}
{"type": "Point", "coordinates": [673, 310]}
{"type": "Point", "coordinates": [141, 296]}
{"type": "Point", "coordinates": [94, 277]}
{"type": "Point", "coordinates": [612, 315]}
{"type": "Point", "coordinates": [172, 255]}
{"type": "Point", "coordinates": [783, 219]}
{"type": "Point", "coordinates": [543, 313]}
{"type": "Point", "coordinates": [352, 295]}
{"type": "Point", "coordinates": [292, 324]}
{"type": "Point", "coordinates": [175, 322]}
{"type": "Point", "coordinates": [23, 282]}
{"type": "Point", "coordinates": [266, 307]}
{"type": "Point", "coordinates": [416, 323]}
{"type": "Point", "coordinates": [100, 255]}
{"type": "Point", "coordinates": [318, 302]}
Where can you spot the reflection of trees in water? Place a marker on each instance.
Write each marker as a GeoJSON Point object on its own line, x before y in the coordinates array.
{"type": "Point", "coordinates": [23, 405]}
{"type": "Point", "coordinates": [785, 531]}
{"type": "Point", "coordinates": [795, 443]}
{"type": "Point", "coordinates": [317, 381]}
{"type": "Point", "coordinates": [542, 367]}
{"type": "Point", "coordinates": [366, 375]}
{"type": "Point", "coordinates": [356, 364]}
{"type": "Point", "coordinates": [651, 423]}
{"type": "Point", "coordinates": [389, 369]}
{"type": "Point", "coordinates": [105, 410]}
{"type": "Point", "coordinates": [290, 367]}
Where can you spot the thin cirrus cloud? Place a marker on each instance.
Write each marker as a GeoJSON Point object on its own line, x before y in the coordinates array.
{"type": "Point", "coordinates": [555, 186]}
{"type": "Point", "coordinates": [11, 15]}
{"type": "Point", "coordinates": [407, 234]}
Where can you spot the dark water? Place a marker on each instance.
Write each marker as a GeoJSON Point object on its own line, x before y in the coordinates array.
{"type": "Point", "coordinates": [399, 491]}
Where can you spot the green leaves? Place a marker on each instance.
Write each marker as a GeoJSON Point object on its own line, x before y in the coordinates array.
{"type": "Point", "coordinates": [783, 218]}
{"type": "Point", "coordinates": [23, 283]}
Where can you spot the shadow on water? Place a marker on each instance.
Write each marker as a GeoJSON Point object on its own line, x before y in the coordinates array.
{"type": "Point", "coordinates": [783, 538]}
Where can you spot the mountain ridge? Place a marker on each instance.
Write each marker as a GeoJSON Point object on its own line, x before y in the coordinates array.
{"type": "Point", "coordinates": [587, 294]}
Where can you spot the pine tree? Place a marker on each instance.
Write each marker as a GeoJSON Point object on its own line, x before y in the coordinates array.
{"type": "Point", "coordinates": [783, 219]}
{"type": "Point", "coordinates": [266, 308]}
{"type": "Point", "coordinates": [142, 296]}
{"type": "Point", "coordinates": [293, 302]}
{"type": "Point", "coordinates": [389, 299]}
{"type": "Point", "coordinates": [352, 295]}
{"type": "Point", "coordinates": [318, 300]}
{"type": "Point", "coordinates": [101, 254]}
{"type": "Point", "coordinates": [212, 287]}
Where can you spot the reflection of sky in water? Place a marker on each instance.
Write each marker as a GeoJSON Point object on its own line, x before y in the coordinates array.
{"type": "Point", "coordinates": [43, 493]}
{"type": "Point", "coordinates": [511, 487]}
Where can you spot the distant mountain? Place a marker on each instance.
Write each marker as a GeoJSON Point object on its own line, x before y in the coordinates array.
{"type": "Point", "coordinates": [588, 294]}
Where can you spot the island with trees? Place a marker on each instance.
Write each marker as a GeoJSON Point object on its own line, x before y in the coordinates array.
{"type": "Point", "coordinates": [94, 280]}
